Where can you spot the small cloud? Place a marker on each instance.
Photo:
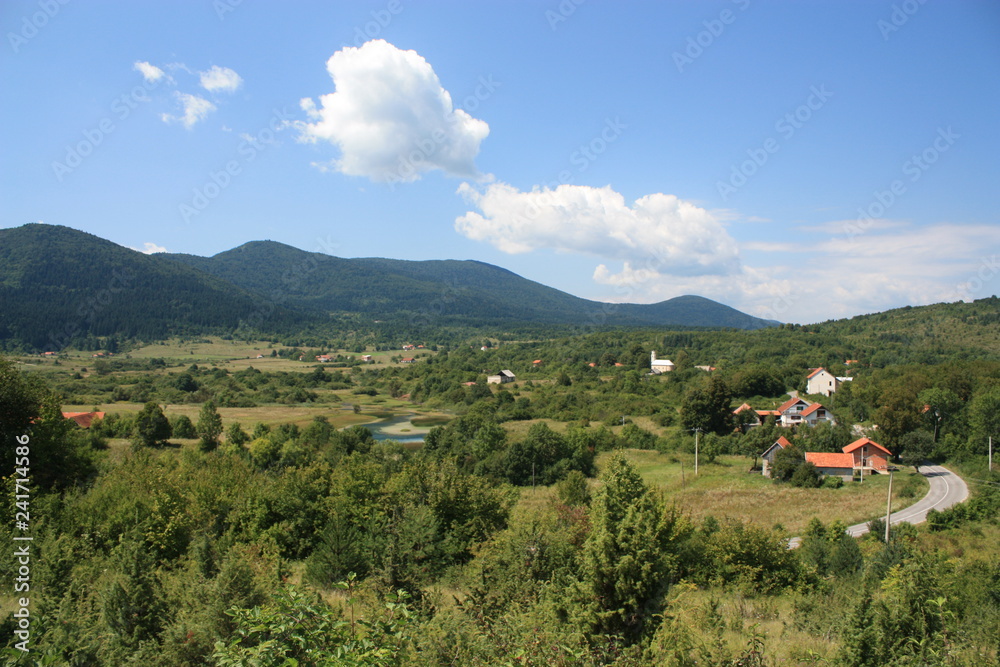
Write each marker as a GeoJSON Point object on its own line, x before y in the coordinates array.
{"type": "Point", "coordinates": [195, 109]}
{"type": "Point", "coordinates": [151, 73]}
{"type": "Point", "coordinates": [391, 118]}
{"type": "Point", "coordinates": [150, 248]}
{"type": "Point", "coordinates": [220, 79]}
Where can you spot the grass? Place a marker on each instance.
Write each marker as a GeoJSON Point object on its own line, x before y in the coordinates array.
{"type": "Point", "coordinates": [727, 489]}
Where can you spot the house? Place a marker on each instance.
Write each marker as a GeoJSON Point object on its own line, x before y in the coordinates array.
{"type": "Point", "coordinates": [536, 363]}
{"type": "Point", "coordinates": [49, 354]}
{"type": "Point", "coordinates": [815, 414]}
{"type": "Point", "coordinates": [407, 348]}
{"type": "Point", "coordinates": [407, 360]}
{"type": "Point", "coordinates": [260, 356]}
{"type": "Point", "coordinates": [707, 369]}
{"type": "Point", "coordinates": [758, 416]}
{"type": "Point", "coordinates": [83, 419]}
{"type": "Point", "coordinates": [366, 357]}
{"type": "Point", "coordinates": [503, 377]}
{"type": "Point", "coordinates": [323, 358]}
{"type": "Point", "coordinates": [822, 381]}
{"type": "Point", "coordinates": [832, 464]}
{"type": "Point", "coordinates": [868, 455]}
{"type": "Point", "coordinates": [658, 366]}
{"type": "Point", "coordinates": [767, 458]}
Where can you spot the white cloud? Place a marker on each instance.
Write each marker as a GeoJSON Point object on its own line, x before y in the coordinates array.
{"type": "Point", "coordinates": [889, 266]}
{"type": "Point", "coordinates": [150, 248]}
{"type": "Point", "coordinates": [220, 79]}
{"type": "Point", "coordinates": [151, 73]}
{"type": "Point", "coordinates": [659, 234]}
{"type": "Point", "coordinates": [391, 118]}
{"type": "Point", "coordinates": [195, 109]}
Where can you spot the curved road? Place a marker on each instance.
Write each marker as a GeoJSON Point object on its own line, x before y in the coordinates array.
{"type": "Point", "coordinates": [947, 489]}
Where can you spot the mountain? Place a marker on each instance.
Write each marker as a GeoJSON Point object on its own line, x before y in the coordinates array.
{"type": "Point", "coordinates": [447, 291]}
{"type": "Point", "coordinates": [59, 285]}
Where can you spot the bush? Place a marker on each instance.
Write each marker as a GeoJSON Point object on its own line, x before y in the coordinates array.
{"type": "Point", "coordinates": [832, 482]}
{"type": "Point", "coordinates": [806, 476]}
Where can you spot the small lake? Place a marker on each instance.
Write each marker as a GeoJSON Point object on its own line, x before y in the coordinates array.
{"type": "Point", "coordinates": [400, 429]}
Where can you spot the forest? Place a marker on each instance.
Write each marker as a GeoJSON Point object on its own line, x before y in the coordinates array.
{"type": "Point", "coordinates": [240, 513]}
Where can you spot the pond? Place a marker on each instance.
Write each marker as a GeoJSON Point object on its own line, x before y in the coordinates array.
{"type": "Point", "coordinates": [400, 429]}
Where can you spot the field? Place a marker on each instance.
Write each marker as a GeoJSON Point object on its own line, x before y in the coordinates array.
{"type": "Point", "coordinates": [727, 489]}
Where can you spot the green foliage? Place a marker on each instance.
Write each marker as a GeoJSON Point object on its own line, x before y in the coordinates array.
{"type": "Point", "coordinates": [182, 427]}
{"type": "Point", "coordinates": [630, 555]}
{"type": "Point", "coordinates": [806, 476]}
{"type": "Point", "coordinates": [573, 489]}
{"type": "Point", "coordinates": [295, 628]}
{"type": "Point", "coordinates": [209, 427]}
{"type": "Point", "coordinates": [151, 426]}
{"type": "Point", "coordinates": [754, 559]}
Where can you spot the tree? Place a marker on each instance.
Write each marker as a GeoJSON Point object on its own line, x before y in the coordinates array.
{"type": "Point", "coordinates": [209, 427]}
{"type": "Point", "coordinates": [630, 555]}
{"type": "Point", "coordinates": [236, 436]}
{"type": "Point", "coordinates": [20, 401]}
{"type": "Point", "coordinates": [151, 426]}
{"type": "Point", "coordinates": [708, 409]}
{"type": "Point", "coordinates": [943, 406]}
{"type": "Point", "coordinates": [917, 446]}
{"type": "Point", "coordinates": [984, 418]}
{"type": "Point", "coordinates": [786, 462]}
{"type": "Point", "coordinates": [183, 427]}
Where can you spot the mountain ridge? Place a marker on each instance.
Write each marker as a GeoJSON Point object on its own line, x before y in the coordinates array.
{"type": "Point", "coordinates": [59, 284]}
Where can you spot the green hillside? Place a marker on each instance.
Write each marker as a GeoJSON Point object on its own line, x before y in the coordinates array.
{"type": "Point", "coordinates": [58, 285]}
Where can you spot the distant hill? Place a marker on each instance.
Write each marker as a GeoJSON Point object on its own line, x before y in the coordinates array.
{"type": "Point", "coordinates": [450, 291]}
{"type": "Point", "coordinates": [58, 284]}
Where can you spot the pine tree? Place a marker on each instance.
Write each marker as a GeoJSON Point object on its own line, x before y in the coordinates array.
{"type": "Point", "coordinates": [209, 427]}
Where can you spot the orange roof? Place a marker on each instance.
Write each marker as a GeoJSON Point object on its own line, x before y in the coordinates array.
{"type": "Point", "coordinates": [830, 460]}
{"type": "Point", "coordinates": [790, 402]}
{"type": "Point", "coordinates": [745, 406]}
{"type": "Point", "coordinates": [811, 409]}
{"type": "Point", "coordinates": [537, 361]}
{"type": "Point", "coordinates": [815, 371]}
{"type": "Point", "coordinates": [83, 419]}
{"type": "Point", "coordinates": [782, 442]}
{"type": "Point", "coordinates": [858, 444]}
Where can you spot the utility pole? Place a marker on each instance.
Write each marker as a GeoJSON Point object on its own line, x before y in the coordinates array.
{"type": "Point", "coordinates": [696, 430]}
{"type": "Point", "coordinates": [888, 505]}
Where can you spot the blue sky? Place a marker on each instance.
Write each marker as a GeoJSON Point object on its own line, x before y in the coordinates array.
{"type": "Point", "coordinates": [799, 161]}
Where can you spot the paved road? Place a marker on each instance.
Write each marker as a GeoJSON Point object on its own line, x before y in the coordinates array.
{"type": "Point", "coordinates": [947, 489]}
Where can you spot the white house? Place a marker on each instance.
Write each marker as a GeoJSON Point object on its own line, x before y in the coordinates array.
{"type": "Point", "coordinates": [658, 366]}
{"type": "Point", "coordinates": [503, 377]}
{"type": "Point", "coordinates": [822, 381]}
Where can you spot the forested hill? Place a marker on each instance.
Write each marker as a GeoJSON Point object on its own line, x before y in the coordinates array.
{"type": "Point", "coordinates": [449, 291]}
{"type": "Point", "coordinates": [59, 284]}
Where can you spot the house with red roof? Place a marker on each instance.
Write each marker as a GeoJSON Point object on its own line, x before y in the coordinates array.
{"type": "Point", "coordinates": [832, 464]}
{"type": "Point", "coordinates": [868, 455]}
{"type": "Point", "coordinates": [83, 419]}
{"type": "Point", "coordinates": [767, 458]}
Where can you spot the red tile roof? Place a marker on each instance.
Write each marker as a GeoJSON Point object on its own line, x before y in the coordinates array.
{"type": "Point", "coordinates": [830, 460]}
{"type": "Point", "coordinates": [858, 444]}
{"type": "Point", "coordinates": [816, 371]}
{"type": "Point", "coordinates": [789, 403]}
{"type": "Point", "coordinates": [811, 409]}
{"type": "Point", "coordinates": [83, 419]}
{"type": "Point", "coordinates": [745, 406]}
{"type": "Point", "coordinates": [782, 442]}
